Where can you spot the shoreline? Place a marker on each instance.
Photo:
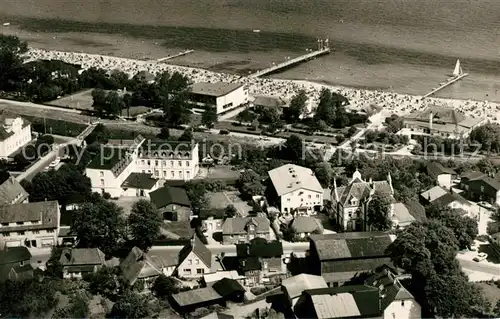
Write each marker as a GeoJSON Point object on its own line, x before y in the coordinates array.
{"type": "Point", "coordinates": [391, 102]}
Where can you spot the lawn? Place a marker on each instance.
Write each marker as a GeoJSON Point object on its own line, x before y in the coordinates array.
{"type": "Point", "coordinates": [120, 134]}
{"type": "Point", "coordinates": [181, 229]}
{"type": "Point", "coordinates": [135, 110]}
{"type": "Point", "coordinates": [57, 127]}
{"type": "Point", "coordinates": [81, 100]}
{"type": "Point", "coordinates": [491, 292]}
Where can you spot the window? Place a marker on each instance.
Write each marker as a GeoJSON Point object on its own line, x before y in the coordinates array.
{"type": "Point", "coordinates": [143, 171]}
{"type": "Point", "coordinates": [187, 271]}
{"type": "Point", "coordinates": [188, 173]}
{"type": "Point", "coordinates": [180, 163]}
{"type": "Point", "coordinates": [142, 162]}
{"type": "Point", "coordinates": [187, 163]}
{"type": "Point", "coordinates": [19, 223]}
{"type": "Point", "coordinates": [190, 261]}
{"type": "Point", "coordinates": [156, 163]}
{"type": "Point", "coordinates": [20, 233]}
{"type": "Point", "coordinates": [101, 174]}
{"type": "Point", "coordinates": [157, 173]}
{"type": "Point", "coordinates": [149, 162]}
{"type": "Point", "coordinates": [309, 196]}
{"type": "Point", "coordinates": [197, 261]}
{"type": "Point", "coordinates": [301, 199]}
{"type": "Point", "coordinates": [5, 224]}
{"type": "Point", "coordinates": [36, 232]}
{"type": "Point", "coordinates": [172, 163]}
{"type": "Point", "coordinates": [102, 182]}
{"type": "Point", "coordinates": [180, 174]}
{"type": "Point", "coordinates": [6, 234]}
{"type": "Point", "coordinates": [172, 173]}
{"type": "Point", "coordinates": [50, 231]}
{"type": "Point", "coordinates": [317, 195]}
{"type": "Point", "coordinates": [288, 199]}
{"type": "Point", "coordinates": [163, 163]}
{"type": "Point", "coordinates": [200, 271]}
{"type": "Point", "coordinates": [149, 171]}
{"type": "Point", "coordinates": [164, 173]}
{"type": "Point", "coordinates": [402, 303]}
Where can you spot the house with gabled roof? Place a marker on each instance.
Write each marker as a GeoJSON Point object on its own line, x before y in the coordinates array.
{"type": "Point", "coordinates": [395, 300]}
{"type": "Point", "coordinates": [172, 202]}
{"type": "Point", "coordinates": [293, 287]}
{"type": "Point", "coordinates": [195, 259]}
{"type": "Point", "coordinates": [298, 189]}
{"type": "Point", "coordinates": [76, 262]}
{"type": "Point", "coordinates": [15, 264]}
{"type": "Point", "coordinates": [480, 187]}
{"type": "Point", "coordinates": [441, 197]}
{"type": "Point", "coordinates": [359, 301]}
{"type": "Point", "coordinates": [11, 191]}
{"type": "Point", "coordinates": [340, 257]}
{"type": "Point", "coordinates": [350, 203]}
{"type": "Point", "coordinates": [139, 185]}
{"type": "Point", "coordinates": [444, 175]}
{"type": "Point", "coordinates": [138, 265]}
{"type": "Point", "coordinates": [15, 132]}
{"type": "Point", "coordinates": [244, 229]}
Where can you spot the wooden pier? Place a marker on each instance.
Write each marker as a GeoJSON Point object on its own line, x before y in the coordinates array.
{"type": "Point", "coordinates": [175, 56]}
{"type": "Point", "coordinates": [290, 62]}
{"type": "Point", "coordinates": [449, 82]}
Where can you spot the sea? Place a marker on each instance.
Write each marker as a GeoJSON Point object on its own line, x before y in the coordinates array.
{"type": "Point", "coordinates": [405, 46]}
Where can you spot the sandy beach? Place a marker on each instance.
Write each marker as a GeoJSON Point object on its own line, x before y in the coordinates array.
{"type": "Point", "coordinates": [391, 103]}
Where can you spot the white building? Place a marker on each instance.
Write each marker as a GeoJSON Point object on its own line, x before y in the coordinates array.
{"type": "Point", "coordinates": [114, 170]}
{"type": "Point", "coordinates": [195, 260]}
{"type": "Point", "coordinates": [14, 134]}
{"type": "Point", "coordinates": [33, 225]}
{"type": "Point", "coordinates": [223, 96]}
{"type": "Point", "coordinates": [298, 189]}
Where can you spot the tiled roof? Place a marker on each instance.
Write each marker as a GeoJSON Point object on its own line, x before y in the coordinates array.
{"type": "Point", "coordinates": [11, 189]}
{"type": "Point", "coordinates": [440, 196]}
{"type": "Point", "coordinates": [250, 263]}
{"type": "Point", "coordinates": [214, 89]}
{"type": "Point", "coordinates": [389, 286]}
{"type": "Point", "coordinates": [138, 265]}
{"type": "Point", "coordinates": [446, 115]}
{"type": "Point", "coordinates": [289, 178]}
{"type": "Point", "coordinates": [351, 245]}
{"type": "Point", "coordinates": [14, 255]}
{"type": "Point", "coordinates": [294, 286]}
{"type": "Point", "coordinates": [306, 224]}
{"type": "Point", "coordinates": [46, 214]}
{"type": "Point", "coordinates": [199, 249]}
{"type": "Point", "coordinates": [434, 193]}
{"type": "Point", "coordinates": [260, 249]}
{"type": "Point", "coordinates": [402, 214]}
{"type": "Point", "coordinates": [437, 168]}
{"type": "Point", "coordinates": [82, 257]}
{"type": "Point", "coordinates": [472, 175]}
{"type": "Point", "coordinates": [238, 225]}
{"type": "Point", "coordinates": [360, 190]}
{"type": "Point", "coordinates": [196, 296]}
{"type": "Point", "coordinates": [169, 195]}
{"type": "Point", "coordinates": [268, 101]}
{"type": "Point", "coordinates": [140, 181]}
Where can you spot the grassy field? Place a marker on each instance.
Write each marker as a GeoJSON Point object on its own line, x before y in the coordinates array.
{"type": "Point", "coordinates": [57, 127]}
{"type": "Point", "coordinates": [135, 110]}
{"type": "Point", "coordinates": [81, 100]}
{"type": "Point", "coordinates": [491, 292]}
{"type": "Point", "coordinates": [182, 229]}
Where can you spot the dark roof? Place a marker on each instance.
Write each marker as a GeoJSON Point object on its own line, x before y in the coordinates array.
{"type": "Point", "coordinates": [82, 257]}
{"type": "Point", "coordinates": [238, 225]}
{"type": "Point", "coordinates": [360, 190]}
{"type": "Point", "coordinates": [139, 180]}
{"type": "Point", "coordinates": [260, 249]}
{"type": "Point", "coordinates": [14, 255]}
{"type": "Point", "coordinates": [268, 101]}
{"type": "Point", "coordinates": [15, 272]}
{"type": "Point", "coordinates": [306, 224]}
{"type": "Point", "coordinates": [366, 300]}
{"type": "Point", "coordinates": [389, 286]}
{"type": "Point", "coordinates": [215, 213]}
{"type": "Point", "coordinates": [169, 195]}
{"type": "Point", "coordinates": [491, 182]}
{"type": "Point", "coordinates": [448, 198]}
{"type": "Point", "coordinates": [199, 249]}
{"type": "Point", "coordinates": [416, 209]}
{"type": "Point", "coordinates": [226, 287]}
{"type": "Point", "coordinates": [166, 149]}
{"type": "Point", "coordinates": [250, 263]}
{"type": "Point", "coordinates": [437, 168]}
{"type": "Point", "coordinates": [108, 158]}
{"type": "Point", "coordinates": [472, 175]}
{"type": "Point", "coordinates": [45, 213]}
{"type": "Point", "coordinates": [12, 192]}
{"type": "Point", "coordinates": [139, 265]}
{"type": "Point", "coordinates": [350, 245]}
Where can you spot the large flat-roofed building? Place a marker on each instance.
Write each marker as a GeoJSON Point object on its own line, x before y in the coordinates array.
{"type": "Point", "coordinates": [444, 122]}
{"type": "Point", "coordinates": [222, 96]}
{"type": "Point", "coordinates": [114, 170]}
{"type": "Point", "coordinates": [15, 132]}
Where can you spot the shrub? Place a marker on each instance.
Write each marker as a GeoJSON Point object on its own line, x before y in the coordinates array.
{"type": "Point", "coordinates": [223, 132]}
{"type": "Point", "coordinates": [106, 195]}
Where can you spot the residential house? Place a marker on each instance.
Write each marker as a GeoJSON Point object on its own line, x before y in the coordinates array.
{"type": "Point", "coordinates": [210, 279]}
{"type": "Point", "coordinates": [340, 257]}
{"type": "Point", "coordinates": [350, 203]}
{"type": "Point", "coordinates": [244, 229]}
{"type": "Point", "coordinates": [480, 187]}
{"type": "Point", "coordinates": [77, 262]}
{"type": "Point", "coordinates": [395, 300]}
{"type": "Point", "coordinates": [11, 192]}
{"type": "Point", "coordinates": [360, 301]}
{"type": "Point", "coordinates": [444, 175]}
{"type": "Point", "coordinates": [15, 133]}
{"type": "Point", "coordinates": [190, 300]}
{"type": "Point", "coordinates": [139, 185]}
{"type": "Point", "coordinates": [439, 121]}
{"type": "Point", "coordinates": [230, 289]}
{"type": "Point", "coordinates": [222, 96]}
{"type": "Point", "coordinates": [195, 259]}
{"type": "Point", "coordinates": [140, 266]}
{"type": "Point", "coordinates": [172, 202]}
{"type": "Point", "coordinates": [293, 287]}
{"type": "Point", "coordinates": [212, 224]}
{"type": "Point", "coordinates": [303, 226]}
{"type": "Point", "coordinates": [298, 189]}
{"type": "Point", "coordinates": [260, 261]}
{"type": "Point", "coordinates": [401, 216]}
{"type": "Point", "coordinates": [32, 225]}
{"type": "Point", "coordinates": [169, 259]}
{"type": "Point", "coordinates": [168, 160]}
{"type": "Point", "coordinates": [15, 264]}
{"type": "Point", "coordinates": [445, 198]}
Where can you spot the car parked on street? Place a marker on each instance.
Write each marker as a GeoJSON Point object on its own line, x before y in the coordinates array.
{"type": "Point", "coordinates": [480, 257]}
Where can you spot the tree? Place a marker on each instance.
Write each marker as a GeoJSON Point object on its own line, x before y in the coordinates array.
{"type": "Point", "coordinates": [464, 228]}
{"type": "Point", "coordinates": [130, 305]}
{"type": "Point", "coordinates": [209, 117]}
{"type": "Point", "coordinates": [78, 308]}
{"type": "Point", "coordinates": [293, 148]}
{"type": "Point", "coordinates": [249, 184]}
{"type": "Point", "coordinates": [144, 222]}
{"type": "Point", "coordinates": [54, 267]}
{"type": "Point", "coordinates": [246, 116]}
{"type": "Point", "coordinates": [187, 135]}
{"type": "Point", "coordinates": [26, 298]}
{"type": "Point", "coordinates": [164, 133]}
{"type": "Point", "coordinates": [324, 173]}
{"type": "Point", "coordinates": [377, 214]}
{"type": "Point", "coordinates": [297, 106]}
{"type": "Point", "coordinates": [230, 211]}
{"type": "Point", "coordinates": [100, 135]}
{"type": "Point", "coordinates": [197, 194]}
{"type": "Point", "coordinates": [99, 225]}
{"type": "Point", "coordinates": [107, 281]}
{"type": "Point", "coordinates": [164, 286]}
{"type": "Point", "coordinates": [11, 62]}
